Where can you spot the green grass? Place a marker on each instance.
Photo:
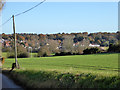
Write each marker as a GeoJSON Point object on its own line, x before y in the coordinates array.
{"type": "Point", "coordinates": [104, 64]}
{"type": "Point", "coordinates": [79, 71]}
{"type": "Point", "coordinates": [33, 55]}
{"type": "Point", "coordinates": [50, 79]}
{"type": "Point", "coordinates": [4, 54]}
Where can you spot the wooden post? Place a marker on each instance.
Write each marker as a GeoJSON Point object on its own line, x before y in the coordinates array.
{"type": "Point", "coordinates": [16, 62]}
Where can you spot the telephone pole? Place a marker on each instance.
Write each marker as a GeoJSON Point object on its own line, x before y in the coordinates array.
{"type": "Point", "coordinates": [16, 62]}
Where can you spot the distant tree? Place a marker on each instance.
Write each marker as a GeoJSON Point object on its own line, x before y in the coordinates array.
{"type": "Point", "coordinates": [4, 36]}
{"type": "Point", "coordinates": [19, 37]}
{"type": "Point", "coordinates": [78, 39]}
{"type": "Point", "coordinates": [5, 49]}
{"type": "Point", "coordinates": [105, 44]}
{"type": "Point", "coordinates": [67, 45]}
{"type": "Point", "coordinates": [53, 45]}
{"type": "Point", "coordinates": [114, 48]}
{"type": "Point", "coordinates": [44, 51]}
{"type": "Point", "coordinates": [118, 35]}
{"type": "Point", "coordinates": [21, 53]}
{"type": "Point", "coordinates": [91, 50]}
{"type": "Point", "coordinates": [79, 49]}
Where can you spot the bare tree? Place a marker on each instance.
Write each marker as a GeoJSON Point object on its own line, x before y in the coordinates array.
{"type": "Point", "coordinates": [67, 45]}
{"type": "Point", "coordinates": [80, 46]}
{"type": "Point", "coordinates": [53, 45]}
{"type": "Point", "coordinates": [44, 51]}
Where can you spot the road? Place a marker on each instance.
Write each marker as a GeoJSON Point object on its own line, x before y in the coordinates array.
{"type": "Point", "coordinates": [5, 82]}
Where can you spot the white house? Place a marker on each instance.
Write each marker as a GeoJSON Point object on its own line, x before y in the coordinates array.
{"type": "Point", "coordinates": [94, 45]}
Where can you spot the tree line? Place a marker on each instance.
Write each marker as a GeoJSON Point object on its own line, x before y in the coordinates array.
{"type": "Point", "coordinates": [61, 43]}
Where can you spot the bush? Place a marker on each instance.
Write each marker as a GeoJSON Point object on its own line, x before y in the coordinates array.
{"type": "Point", "coordinates": [63, 53]}
{"type": "Point", "coordinates": [10, 55]}
{"type": "Point", "coordinates": [44, 51]}
{"type": "Point", "coordinates": [35, 55]}
{"type": "Point", "coordinates": [21, 53]}
{"type": "Point", "coordinates": [114, 48]}
{"type": "Point", "coordinates": [68, 81]}
{"type": "Point", "coordinates": [5, 49]}
{"type": "Point", "coordinates": [91, 50]}
{"type": "Point", "coordinates": [42, 54]}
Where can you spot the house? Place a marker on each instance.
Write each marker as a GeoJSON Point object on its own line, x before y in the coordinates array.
{"type": "Point", "coordinates": [6, 43]}
{"type": "Point", "coordinates": [76, 44]}
{"type": "Point", "coordinates": [94, 45]}
{"type": "Point", "coordinates": [59, 47]}
{"type": "Point", "coordinates": [82, 45]}
{"type": "Point", "coordinates": [103, 49]}
{"type": "Point", "coordinates": [47, 44]}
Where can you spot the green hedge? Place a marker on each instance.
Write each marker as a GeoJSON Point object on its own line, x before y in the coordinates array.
{"type": "Point", "coordinates": [52, 79]}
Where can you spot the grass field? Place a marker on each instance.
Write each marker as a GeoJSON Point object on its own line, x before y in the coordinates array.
{"type": "Point", "coordinates": [99, 65]}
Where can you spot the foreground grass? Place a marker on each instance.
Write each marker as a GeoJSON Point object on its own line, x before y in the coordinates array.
{"type": "Point", "coordinates": [52, 79]}
{"type": "Point", "coordinates": [79, 71]}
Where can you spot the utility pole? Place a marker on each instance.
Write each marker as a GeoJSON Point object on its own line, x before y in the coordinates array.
{"type": "Point", "coordinates": [16, 62]}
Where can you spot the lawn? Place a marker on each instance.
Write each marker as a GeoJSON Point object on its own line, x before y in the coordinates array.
{"type": "Point", "coordinates": [104, 64]}
{"type": "Point", "coordinates": [78, 71]}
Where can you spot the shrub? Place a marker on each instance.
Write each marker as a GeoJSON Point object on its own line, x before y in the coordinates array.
{"type": "Point", "coordinates": [91, 50]}
{"type": "Point", "coordinates": [68, 81]}
{"type": "Point", "coordinates": [21, 53]}
{"type": "Point", "coordinates": [5, 49]}
{"type": "Point", "coordinates": [44, 51]}
{"type": "Point", "coordinates": [63, 53]}
{"type": "Point", "coordinates": [114, 48]}
{"type": "Point", "coordinates": [10, 55]}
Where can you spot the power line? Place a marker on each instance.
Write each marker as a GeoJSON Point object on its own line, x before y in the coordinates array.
{"type": "Point", "coordinates": [6, 22]}
{"type": "Point", "coordinates": [30, 8]}
{"type": "Point", "coordinates": [23, 12]}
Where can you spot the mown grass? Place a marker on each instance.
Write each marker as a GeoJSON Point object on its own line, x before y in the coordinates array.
{"type": "Point", "coordinates": [97, 70]}
{"type": "Point", "coordinates": [105, 63]}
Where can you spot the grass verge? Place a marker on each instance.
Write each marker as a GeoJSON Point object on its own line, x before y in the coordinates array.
{"type": "Point", "coordinates": [52, 79]}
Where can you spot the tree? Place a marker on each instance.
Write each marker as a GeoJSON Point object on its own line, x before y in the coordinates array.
{"type": "Point", "coordinates": [114, 48]}
{"type": "Point", "coordinates": [67, 45]}
{"type": "Point", "coordinates": [4, 36]}
{"type": "Point", "coordinates": [44, 51]}
{"type": "Point", "coordinates": [21, 53]}
{"type": "Point", "coordinates": [53, 45]}
{"type": "Point", "coordinates": [91, 50]}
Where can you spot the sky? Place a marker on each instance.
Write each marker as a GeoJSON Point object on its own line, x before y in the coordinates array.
{"type": "Point", "coordinates": [58, 17]}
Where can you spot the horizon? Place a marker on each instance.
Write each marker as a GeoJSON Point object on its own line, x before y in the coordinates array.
{"type": "Point", "coordinates": [57, 33]}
